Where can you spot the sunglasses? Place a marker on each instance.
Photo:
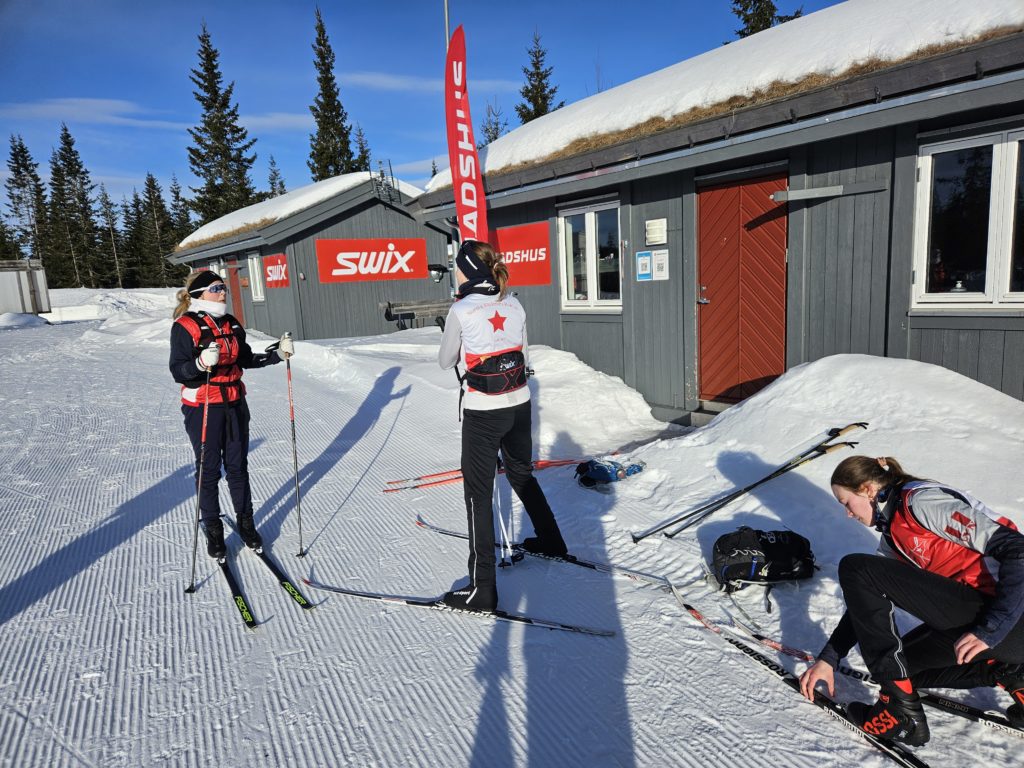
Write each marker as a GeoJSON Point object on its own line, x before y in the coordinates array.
{"type": "Point", "coordinates": [218, 288]}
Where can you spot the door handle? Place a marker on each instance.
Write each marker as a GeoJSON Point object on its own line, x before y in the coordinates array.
{"type": "Point", "coordinates": [702, 299]}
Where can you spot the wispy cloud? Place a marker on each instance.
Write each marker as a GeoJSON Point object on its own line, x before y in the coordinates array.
{"type": "Point", "coordinates": [420, 166]}
{"type": "Point", "coordinates": [381, 81]}
{"type": "Point", "coordinates": [272, 122]}
{"type": "Point", "coordinates": [89, 111]}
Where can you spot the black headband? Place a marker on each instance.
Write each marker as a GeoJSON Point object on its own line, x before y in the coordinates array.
{"type": "Point", "coordinates": [470, 265]}
{"type": "Point", "coordinates": [202, 281]}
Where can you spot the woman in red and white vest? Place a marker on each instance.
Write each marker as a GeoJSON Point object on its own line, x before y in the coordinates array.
{"type": "Point", "coordinates": [949, 561]}
{"type": "Point", "coordinates": [208, 354]}
{"type": "Point", "coordinates": [486, 331]}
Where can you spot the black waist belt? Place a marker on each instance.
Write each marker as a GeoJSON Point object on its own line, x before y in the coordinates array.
{"type": "Point", "coordinates": [502, 373]}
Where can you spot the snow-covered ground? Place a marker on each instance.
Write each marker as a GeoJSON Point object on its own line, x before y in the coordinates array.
{"type": "Point", "coordinates": [105, 661]}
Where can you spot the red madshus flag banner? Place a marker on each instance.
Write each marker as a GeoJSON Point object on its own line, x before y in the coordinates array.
{"type": "Point", "coordinates": [467, 182]}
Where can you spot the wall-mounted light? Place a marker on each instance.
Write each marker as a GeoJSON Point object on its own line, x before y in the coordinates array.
{"type": "Point", "coordinates": [437, 272]}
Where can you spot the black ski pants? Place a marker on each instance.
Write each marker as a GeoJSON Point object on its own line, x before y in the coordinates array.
{"type": "Point", "coordinates": [874, 586]}
{"type": "Point", "coordinates": [484, 433]}
{"type": "Point", "coordinates": [227, 447]}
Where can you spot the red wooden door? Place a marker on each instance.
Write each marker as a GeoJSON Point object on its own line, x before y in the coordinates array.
{"type": "Point", "coordinates": [741, 318]}
{"type": "Point", "coordinates": [235, 295]}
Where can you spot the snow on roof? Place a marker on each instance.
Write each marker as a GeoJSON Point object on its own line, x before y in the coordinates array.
{"type": "Point", "coordinates": [277, 208]}
{"type": "Point", "coordinates": [827, 43]}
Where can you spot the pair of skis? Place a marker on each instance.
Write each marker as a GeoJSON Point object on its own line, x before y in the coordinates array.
{"type": "Point", "coordinates": [455, 476]}
{"type": "Point", "coordinates": [693, 516]}
{"type": "Point", "coordinates": [239, 598]}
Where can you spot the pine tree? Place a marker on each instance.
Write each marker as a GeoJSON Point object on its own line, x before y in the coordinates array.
{"type": "Point", "coordinates": [493, 125]}
{"type": "Point", "coordinates": [330, 151]}
{"type": "Point", "coordinates": [26, 200]}
{"type": "Point", "coordinates": [433, 167]}
{"type": "Point", "coordinates": [111, 247]}
{"type": "Point", "coordinates": [362, 161]}
{"type": "Point", "coordinates": [275, 180]}
{"type": "Point", "coordinates": [759, 15]}
{"type": "Point", "coordinates": [9, 250]}
{"type": "Point", "coordinates": [158, 232]}
{"type": "Point", "coordinates": [72, 218]}
{"type": "Point", "coordinates": [218, 157]}
{"type": "Point", "coordinates": [538, 93]}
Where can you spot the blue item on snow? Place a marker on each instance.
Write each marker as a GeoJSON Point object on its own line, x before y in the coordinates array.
{"type": "Point", "coordinates": [596, 472]}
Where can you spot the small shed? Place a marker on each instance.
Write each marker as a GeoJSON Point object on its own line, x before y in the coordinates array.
{"type": "Point", "coordinates": [23, 288]}
{"type": "Point", "coordinates": [327, 259]}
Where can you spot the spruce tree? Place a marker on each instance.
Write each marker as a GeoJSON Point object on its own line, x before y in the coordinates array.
{"type": "Point", "coordinates": [275, 180]}
{"type": "Point", "coordinates": [362, 161]}
{"type": "Point", "coordinates": [538, 93]}
{"type": "Point", "coordinates": [133, 263]}
{"type": "Point", "coordinates": [759, 15]}
{"type": "Point", "coordinates": [493, 125]}
{"type": "Point", "coordinates": [433, 167]}
{"type": "Point", "coordinates": [181, 220]}
{"type": "Point", "coordinates": [218, 157]}
{"type": "Point", "coordinates": [330, 151]}
{"type": "Point", "coordinates": [158, 234]}
{"type": "Point", "coordinates": [9, 250]}
{"type": "Point", "coordinates": [26, 200]}
{"type": "Point", "coordinates": [72, 218]}
{"type": "Point", "coordinates": [111, 247]}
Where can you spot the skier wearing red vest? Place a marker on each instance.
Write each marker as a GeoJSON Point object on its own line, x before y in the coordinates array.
{"type": "Point", "coordinates": [208, 354]}
{"type": "Point", "coordinates": [949, 561]}
{"type": "Point", "coordinates": [486, 331]}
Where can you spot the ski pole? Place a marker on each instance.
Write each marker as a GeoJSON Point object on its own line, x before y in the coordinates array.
{"type": "Point", "coordinates": [714, 505]}
{"type": "Point", "coordinates": [692, 520]}
{"type": "Point", "coordinates": [199, 482]}
{"type": "Point", "coordinates": [295, 451]}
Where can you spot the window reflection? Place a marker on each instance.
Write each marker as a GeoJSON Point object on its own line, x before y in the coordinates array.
{"type": "Point", "coordinates": [576, 257]}
{"type": "Point", "coordinates": [609, 273]}
{"type": "Point", "coordinates": [958, 236]}
{"type": "Point", "coordinates": [1017, 244]}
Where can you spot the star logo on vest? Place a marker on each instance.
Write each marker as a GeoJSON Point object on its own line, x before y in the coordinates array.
{"type": "Point", "coordinates": [498, 322]}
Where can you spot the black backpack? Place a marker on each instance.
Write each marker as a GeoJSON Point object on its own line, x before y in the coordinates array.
{"type": "Point", "coordinates": [747, 557]}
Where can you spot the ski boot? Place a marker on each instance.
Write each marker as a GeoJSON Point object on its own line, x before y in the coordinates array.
{"type": "Point", "coordinates": [471, 598]}
{"type": "Point", "coordinates": [550, 547]}
{"type": "Point", "coordinates": [1011, 678]}
{"type": "Point", "coordinates": [897, 714]}
{"type": "Point", "coordinates": [214, 530]}
{"type": "Point", "coordinates": [250, 536]}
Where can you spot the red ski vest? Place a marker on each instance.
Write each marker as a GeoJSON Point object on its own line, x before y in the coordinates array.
{"type": "Point", "coordinates": [226, 377]}
{"type": "Point", "coordinates": [951, 545]}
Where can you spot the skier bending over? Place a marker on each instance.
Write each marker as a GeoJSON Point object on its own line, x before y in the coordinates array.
{"type": "Point", "coordinates": [489, 325]}
{"type": "Point", "coordinates": [208, 345]}
{"type": "Point", "coordinates": [941, 550]}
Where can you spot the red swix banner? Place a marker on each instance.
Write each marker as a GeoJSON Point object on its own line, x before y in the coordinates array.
{"type": "Point", "coordinates": [467, 183]}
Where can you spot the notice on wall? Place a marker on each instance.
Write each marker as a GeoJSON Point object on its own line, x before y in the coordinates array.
{"type": "Point", "coordinates": [275, 270]}
{"type": "Point", "coordinates": [526, 251]}
{"type": "Point", "coordinates": [390, 258]}
{"type": "Point", "coordinates": [644, 266]}
{"type": "Point", "coordinates": [656, 231]}
{"type": "Point", "coordinates": [659, 264]}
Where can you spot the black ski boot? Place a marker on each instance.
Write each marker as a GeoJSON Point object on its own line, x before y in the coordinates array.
{"type": "Point", "coordinates": [1011, 678]}
{"type": "Point", "coordinates": [247, 530]}
{"type": "Point", "coordinates": [551, 547]}
{"type": "Point", "coordinates": [214, 530]}
{"type": "Point", "coordinates": [471, 598]}
{"type": "Point", "coordinates": [897, 714]}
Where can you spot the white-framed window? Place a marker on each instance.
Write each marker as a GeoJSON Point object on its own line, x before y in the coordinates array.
{"type": "Point", "coordinates": [969, 223]}
{"type": "Point", "coordinates": [256, 277]}
{"type": "Point", "coordinates": [590, 257]}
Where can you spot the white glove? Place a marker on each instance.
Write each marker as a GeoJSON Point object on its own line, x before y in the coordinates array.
{"type": "Point", "coordinates": [209, 357]}
{"type": "Point", "coordinates": [285, 347]}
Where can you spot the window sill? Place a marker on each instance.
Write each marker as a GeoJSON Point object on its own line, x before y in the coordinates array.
{"type": "Point", "coordinates": [960, 311]}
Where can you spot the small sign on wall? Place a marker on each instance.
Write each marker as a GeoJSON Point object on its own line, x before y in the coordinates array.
{"type": "Point", "coordinates": [659, 264]}
{"type": "Point", "coordinates": [275, 270]}
{"type": "Point", "coordinates": [644, 266]}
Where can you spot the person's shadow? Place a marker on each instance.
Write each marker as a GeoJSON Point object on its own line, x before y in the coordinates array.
{"type": "Point", "coordinates": [276, 508]}
{"type": "Point", "coordinates": [817, 518]}
{"type": "Point", "coordinates": [573, 682]}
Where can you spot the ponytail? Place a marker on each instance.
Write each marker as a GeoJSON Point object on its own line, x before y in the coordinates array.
{"type": "Point", "coordinates": [493, 261]}
{"type": "Point", "coordinates": [183, 297]}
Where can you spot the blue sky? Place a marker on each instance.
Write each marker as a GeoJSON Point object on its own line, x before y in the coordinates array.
{"type": "Point", "coordinates": [117, 71]}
